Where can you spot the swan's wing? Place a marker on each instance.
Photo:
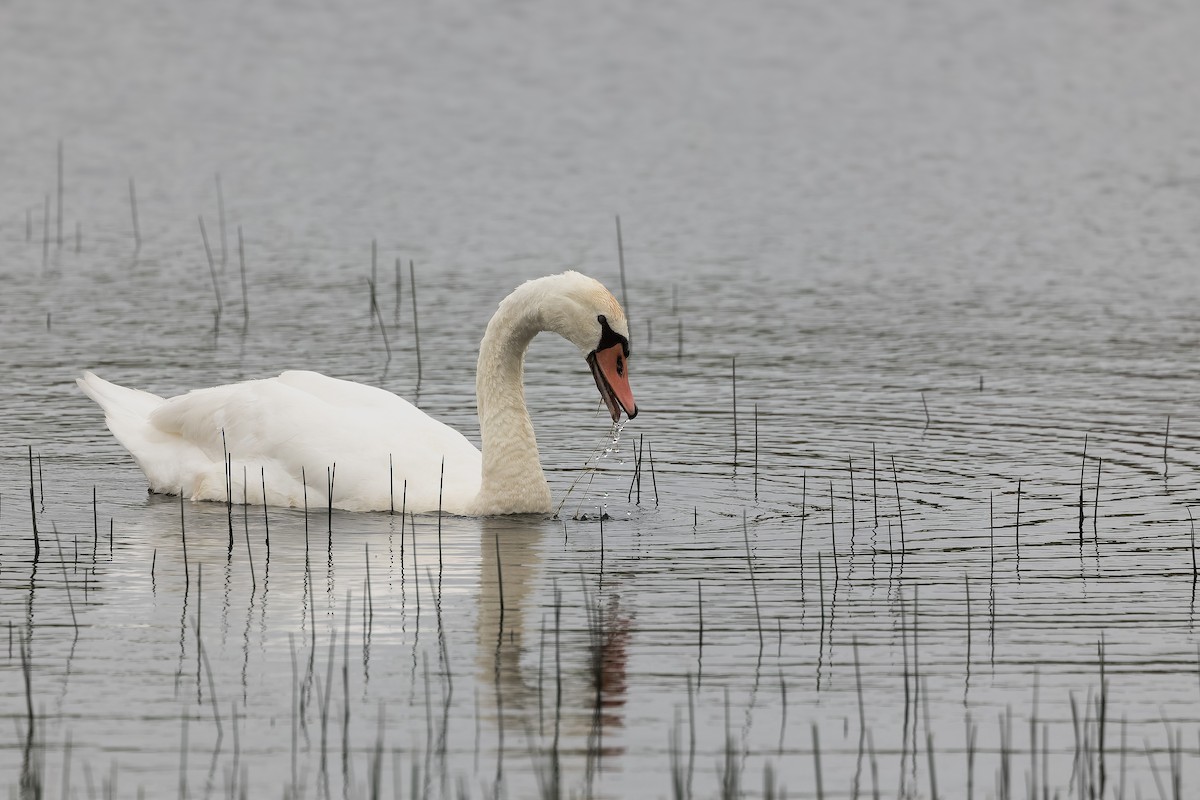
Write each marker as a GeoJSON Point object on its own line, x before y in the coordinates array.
{"type": "Point", "coordinates": [307, 421]}
{"type": "Point", "coordinates": [250, 418]}
{"type": "Point", "coordinates": [345, 394]}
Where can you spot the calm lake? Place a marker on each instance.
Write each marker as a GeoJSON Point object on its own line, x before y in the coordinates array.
{"type": "Point", "coordinates": [906, 511]}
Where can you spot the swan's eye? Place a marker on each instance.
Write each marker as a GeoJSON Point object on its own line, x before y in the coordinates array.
{"type": "Point", "coordinates": [620, 366]}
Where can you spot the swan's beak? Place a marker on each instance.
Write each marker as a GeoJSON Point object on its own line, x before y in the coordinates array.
{"type": "Point", "coordinates": [610, 370]}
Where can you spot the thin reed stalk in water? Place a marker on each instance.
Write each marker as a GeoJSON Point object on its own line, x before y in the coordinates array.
{"type": "Point", "coordinates": [183, 538]}
{"type": "Point", "coordinates": [212, 687]}
{"type": "Point", "coordinates": [1166, 437]}
{"type": "Point", "coordinates": [197, 620]}
{"type": "Point", "coordinates": [499, 575]}
{"type": "Point", "coordinates": [78, 236]}
{"type": "Point", "coordinates": [899, 510]}
{"type": "Point", "coordinates": [637, 473]}
{"type": "Point", "coordinates": [621, 265]}
{"type": "Point", "coordinates": [346, 684]}
{"type": "Point", "coordinates": [862, 718]}
{"type": "Point", "coordinates": [557, 682]}
{"type": "Point", "coordinates": [991, 539]}
{"type": "Point", "coordinates": [782, 709]}
{"type": "Point", "coordinates": [1096, 505]}
{"type": "Point", "coordinates": [46, 231]}
{"type": "Point", "coordinates": [832, 529]}
{"type": "Point", "coordinates": [1192, 525]}
{"type": "Point", "coordinates": [874, 486]}
{"type": "Point", "coordinates": [62, 562]}
{"type": "Point", "coordinates": [266, 519]}
{"type": "Point", "coordinates": [95, 526]}
{"type": "Point", "coordinates": [972, 730]}
{"type": "Point", "coordinates": [679, 351]}
{"type": "Point", "coordinates": [756, 451]}
{"type": "Point", "coordinates": [137, 232]}
{"type": "Point", "coordinates": [1082, 466]}
{"type": "Point", "coordinates": [331, 476]}
{"type": "Point", "coordinates": [212, 268]}
{"type": "Point", "coordinates": [441, 483]}
{"type": "Point", "coordinates": [821, 592]}
{"type": "Point", "coordinates": [382, 330]}
{"type": "Point", "coordinates": [396, 310]}
{"type": "Point", "coordinates": [221, 222]}
{"type": "Point", "coordinates": [228, 490]}
{"type": "Point", "coordinates": [26, 647]}
{"type": "Point", "coordinates": [918, 692]}
{"type": "Point", "coordinates": [908, 708]}
{"type": "Point", "coordinates": [933, 792]}
{"type": "Point", "coordinates": [37, 542]}
{"type": "Point", "coordinates": [1017, 533]}
{"type": "Point", "coordinates": [1102, 716]}
{"type": "Point", "coordinates": [246, 527]}
{"type": "Point", "coordinates": [816, 740]}
{"type": "Point", "coordinates": [412, 284]}
{"type": "Point", "coordinates": [733, 380]}
{"type": "Point", "coordinates": [692, 734]}
{"type": "Point", "coordinates": [601, 550]}
{"type": "Point", "coordinates": [803, 517]}
{"type": "Point", "coordinates": [370, 606]}
{"type": "Point", "coordinates": [59, 219]}
{"type": "Point", "coordinates": [753, 583]}
{"type": "Point", "coordinates": [1033, 742]}
{"type": "Point", "coordinates": [653, 480]}
{"type": "Point", "coordinates": [295, 714]}
{"type": "Point", "coordinates": [242, 267]}
{"type": "Point", "coordinates": [304, 488]}
{"type": "Point", "coordinates": [967, 665]}
{"type": "Point", "coordinates": [926, 407]}
{"type": "Point", "coordinates": [853, 510]}
{"type": "Point", "coordinates": [372, 306]}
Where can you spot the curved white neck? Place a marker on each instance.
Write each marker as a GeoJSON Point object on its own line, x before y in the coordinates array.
{"type": "Point", "coordinates": [512, 480]}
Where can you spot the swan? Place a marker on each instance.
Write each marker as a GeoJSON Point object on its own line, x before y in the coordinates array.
{"type": "Point", "coordinates": [284, 440]}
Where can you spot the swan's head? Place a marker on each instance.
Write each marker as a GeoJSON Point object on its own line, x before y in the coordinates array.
{"type": "Point", "coordinates": [586, 314]}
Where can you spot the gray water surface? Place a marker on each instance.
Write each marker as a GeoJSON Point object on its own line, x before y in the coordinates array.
{"type": "Point", "coordinates": [946, 243]}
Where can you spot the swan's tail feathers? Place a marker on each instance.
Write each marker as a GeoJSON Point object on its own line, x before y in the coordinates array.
{"type": "Point", "coordinates": [127, 412]}
{"type": "Point", "coordinates": [118, 401]}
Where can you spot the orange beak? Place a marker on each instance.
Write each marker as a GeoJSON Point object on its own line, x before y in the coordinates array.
{"type": "Point", "coordinates": [611, 371]}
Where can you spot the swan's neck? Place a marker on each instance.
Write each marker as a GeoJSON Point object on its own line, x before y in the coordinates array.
{"type": "Point", "coordinates": [512, 480]}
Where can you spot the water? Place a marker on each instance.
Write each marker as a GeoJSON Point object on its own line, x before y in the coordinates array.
{"type": "Point", "coordinates": [959, 236]}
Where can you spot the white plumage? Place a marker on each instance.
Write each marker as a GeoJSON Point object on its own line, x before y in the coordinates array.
{"type": "Point", "coordinates": [277, 430]}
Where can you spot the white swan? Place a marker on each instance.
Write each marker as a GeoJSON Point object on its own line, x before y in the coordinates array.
{"type": "Point", "coordinates": [387, 452]}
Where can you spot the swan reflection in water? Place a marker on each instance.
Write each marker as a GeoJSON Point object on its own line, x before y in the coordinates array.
{"type": "Point", "coordinates": [524, 653]}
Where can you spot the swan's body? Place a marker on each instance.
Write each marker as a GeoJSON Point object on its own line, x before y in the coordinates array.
{"type": "Point", "coordinates": [290, 431]}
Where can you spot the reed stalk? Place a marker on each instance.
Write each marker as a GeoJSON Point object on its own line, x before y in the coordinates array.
{"type": "Point", "coordinates": [412, 283]}
{"type": "Point", "coordinates": [621, 263]}
{"type": "Point", "coordinates": [212, 268]}
{"type": "Point", "coordinates": [133, 210]}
